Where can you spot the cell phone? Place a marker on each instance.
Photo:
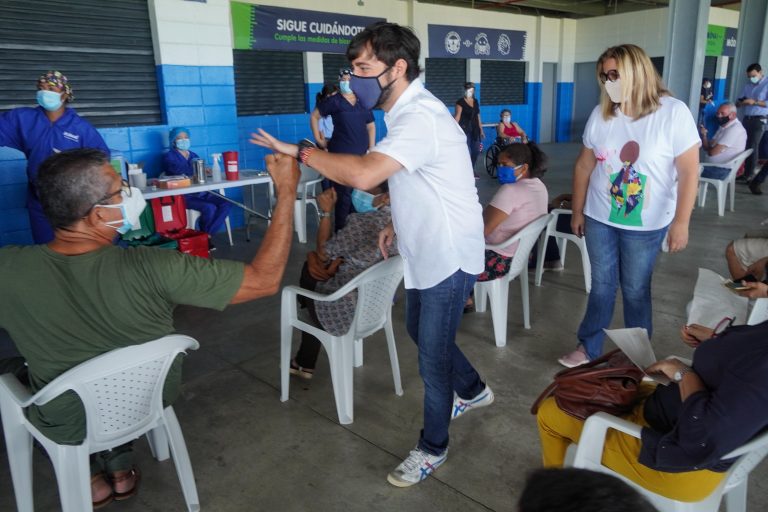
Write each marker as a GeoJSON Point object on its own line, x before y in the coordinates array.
{"type": "Point", "coordinates": [738, 287]}
{"type": "Point", "coordinates": [748, 278]}
{"type": "Point", "coordinates": [742, 98]}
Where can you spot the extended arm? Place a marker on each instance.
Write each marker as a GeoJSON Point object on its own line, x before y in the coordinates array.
{"type": "Point", "coordinates": [263, 275]}
{"type": "Point", "coordinates": [585, 164]}
{"type": "Point", "coordinates": [687, 165]}
{"type": "Point", "coordinates": [314, 123]}
{"type": "Point", "coordinates": [371, 127]}
{"type": "Point", "coordinates": [492, 217]}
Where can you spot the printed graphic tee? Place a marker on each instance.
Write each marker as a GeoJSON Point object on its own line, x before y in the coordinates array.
{"type": "Point", "coordinates": [634, 185]}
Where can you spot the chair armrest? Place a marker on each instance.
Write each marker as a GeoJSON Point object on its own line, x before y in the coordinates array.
{"type": "Point", "coordinates": [297, 290]}
{"type": "Point", "coordinates": [590, 450]}
{"type": "Point", "coordinates": [561, 211]}
{"type": "Point", "coordinates": [17, 391]}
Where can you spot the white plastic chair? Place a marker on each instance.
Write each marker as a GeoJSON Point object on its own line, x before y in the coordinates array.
{"type": "Point", "coordinates": [759, 312]}
{"type": "Point", "coordinates": [562, 240]}
{"type": "Point", "coordinates": [193, 215]}
{"type": "Point", "coordinates": [122, 393]}
{"type": "Point", "coordinates": [375, 289]}
{"type": "Point", "coordinates": [722, 186]}
{"type": "Point", "coordinates": [589, 454]}
{"type": "Point", "coordinates": [498, 289]}
{"type": "Point", "coordinates": [306, 195]}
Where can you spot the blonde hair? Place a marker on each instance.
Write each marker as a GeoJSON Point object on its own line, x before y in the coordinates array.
{"type": "Point", "coordinates": [641, 84]}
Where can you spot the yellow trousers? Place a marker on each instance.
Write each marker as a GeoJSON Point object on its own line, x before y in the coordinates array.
{"type": "Point", "coordinates": [558, 430]}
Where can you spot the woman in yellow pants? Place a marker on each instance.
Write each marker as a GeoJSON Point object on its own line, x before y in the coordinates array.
{"type": "Point", "coordinates": [709, 410]}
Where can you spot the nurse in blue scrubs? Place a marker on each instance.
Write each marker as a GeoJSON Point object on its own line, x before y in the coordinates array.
{"type": "Point", "coordinates": [39, 132]}
{"type": "Point", "coordinates": [178, 162]}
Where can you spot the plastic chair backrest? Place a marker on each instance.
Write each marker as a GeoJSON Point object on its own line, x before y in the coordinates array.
{"type": "Point", "coordinates": [121, 390]}
{"type": "Point", "coordinates": [375, 290]}
{"type": "Point", "coordinates": [308, 173]}
{"type": "Point", "coordinates": [751, 454]}
{"type": "Point", "coordinates": [527, 237]}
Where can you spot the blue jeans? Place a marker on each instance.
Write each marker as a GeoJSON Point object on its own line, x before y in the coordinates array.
{"type": "Point", "coordinates": [619, 257]}
{"type": "Point", "coordinates": [432, 317]}
{"type": "Point", "coordinates": [715, 173]}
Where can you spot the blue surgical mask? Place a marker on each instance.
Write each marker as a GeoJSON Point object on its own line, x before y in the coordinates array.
{"type": "Point", "coordinates": [507, 174]}
{"type": "Point", "coordinates": [754, 79]}
{"type": "Point", "coordinates": [367, 89]}
{"type": "Point", "coordinates": [183, 144]}
{"type": "Point", "coordinates": [49, 100]}
{"type": "Point", "coordinates": [363, 201]}
{"type": "Point", "coordinates": [344, 87]}
{"type": "Point", "coordinates": [131, 208]}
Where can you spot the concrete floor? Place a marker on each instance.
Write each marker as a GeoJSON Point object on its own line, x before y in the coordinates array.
{"type": "Point", "coordinates": [252, 452]}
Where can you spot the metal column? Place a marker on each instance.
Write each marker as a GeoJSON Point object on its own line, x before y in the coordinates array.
{"type": "Point", "coordinates": [686, 46]}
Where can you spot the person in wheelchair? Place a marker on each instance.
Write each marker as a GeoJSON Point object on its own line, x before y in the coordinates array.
{"type": "Point", "coordinates": [508, 131]}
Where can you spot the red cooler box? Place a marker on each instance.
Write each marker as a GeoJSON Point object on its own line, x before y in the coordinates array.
{"type": "Point", "coordinates": [171, 221]}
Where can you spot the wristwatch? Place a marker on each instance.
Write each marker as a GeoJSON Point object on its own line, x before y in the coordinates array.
{"type": "Point", "coordinates": [323, 214]}
{"type": "Point", "coordinates": [678, 375]}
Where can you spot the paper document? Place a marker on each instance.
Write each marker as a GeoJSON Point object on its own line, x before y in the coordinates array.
{"type": "Point", "coordinates": [712, 302]}
{"type": "Point", "coordinates": [635, 344]}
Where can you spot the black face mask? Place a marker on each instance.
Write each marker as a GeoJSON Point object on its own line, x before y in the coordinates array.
{"type": "Point", "coordinates": [722, 121]}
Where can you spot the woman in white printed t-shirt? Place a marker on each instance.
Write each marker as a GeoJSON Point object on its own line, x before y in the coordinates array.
{"type": "Point", "coordinates": [635, 178]}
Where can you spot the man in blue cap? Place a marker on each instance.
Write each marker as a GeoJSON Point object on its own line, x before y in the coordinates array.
{"type": "Point", "coordinates": [39, 132]}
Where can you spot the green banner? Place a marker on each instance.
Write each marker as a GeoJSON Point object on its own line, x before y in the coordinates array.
{"type": "Point", "coordinates": [720, 41]}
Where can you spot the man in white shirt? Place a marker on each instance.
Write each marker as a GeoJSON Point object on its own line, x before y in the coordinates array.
{"type": "Point", "coordinates": [437, 217]}
{"type": "Point", "coordinates": [729, 140]}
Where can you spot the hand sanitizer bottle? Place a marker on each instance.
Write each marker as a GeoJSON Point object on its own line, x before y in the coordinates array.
{"type": "Point", "coordinates": [216, 169]}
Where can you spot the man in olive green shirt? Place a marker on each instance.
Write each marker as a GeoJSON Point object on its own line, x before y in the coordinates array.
{"type": "Point", "coordinates": [80, 296]}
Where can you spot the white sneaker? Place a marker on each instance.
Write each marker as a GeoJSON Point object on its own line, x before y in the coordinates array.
{"type": "Point", "coordinates": [460, 405]}
{"type": "Point", "coordinates": [415, 468]}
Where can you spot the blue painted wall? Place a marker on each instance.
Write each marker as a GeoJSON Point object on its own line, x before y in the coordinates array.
{"type": "Point", "coordinates": [564, 111]}
{"type": "Point", "coordinates": [203, 99]}
{"type": "Point", "coordinates": [198, 97]}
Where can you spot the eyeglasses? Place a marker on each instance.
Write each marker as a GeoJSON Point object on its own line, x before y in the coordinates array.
{"type": "Point", "coordinates": [124, 187]}
{"type": "Point", "coordinates": [722, 325]}
{"type": "Point", "coordinates": [611, 76]}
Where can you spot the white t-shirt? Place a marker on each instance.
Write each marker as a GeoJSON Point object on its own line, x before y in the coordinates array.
{"type": "Point", "coordinates": [435, 208]}
{"type": "Point", "coordinates": [523, 202]}
{"type": "Point", "coordinates": [734, 137]}
{"type": "Point", "coordinates": [634, 185]}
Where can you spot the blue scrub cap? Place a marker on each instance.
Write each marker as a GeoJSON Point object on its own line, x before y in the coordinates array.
{"type": "Point", "coordinates": [176, 131]}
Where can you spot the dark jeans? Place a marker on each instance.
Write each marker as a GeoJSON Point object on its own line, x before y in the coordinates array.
{"type": "Point", "coordinates": [473, 145]}
{"type": "Point", "coordinates": [760, 177]}
{"type": "Point", "coordinates": [755, 128]}
{"type": "Point", "coordinates": [306, 357]}
{"type": "Point", "coordinates": [432, 318]}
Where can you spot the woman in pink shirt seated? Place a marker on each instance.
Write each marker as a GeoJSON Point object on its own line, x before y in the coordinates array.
{"type": "Point", "coordinates": [521, 198]}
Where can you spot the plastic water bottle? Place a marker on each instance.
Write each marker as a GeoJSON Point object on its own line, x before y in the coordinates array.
{"type": "Point", "coordinates": [216, 168]}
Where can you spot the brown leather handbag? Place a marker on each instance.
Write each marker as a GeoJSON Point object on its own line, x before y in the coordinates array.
{"type": "Point", "coordinates": [609, 383]}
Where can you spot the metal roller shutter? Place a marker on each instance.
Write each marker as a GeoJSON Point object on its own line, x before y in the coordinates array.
{"type": "Point", "coordinates": [104, 49]}
{"type": "Point", "coordinates": [445, 79]}
{"type": "Point", "coordinates": [269, 82]}
{"type": "Point", "coordinates": [503, 82]}
{"type": "Point", "coordinates": [332, 64]}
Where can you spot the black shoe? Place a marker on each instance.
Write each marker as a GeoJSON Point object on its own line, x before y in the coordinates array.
{"type": "Point", "coordinates": [742, 178]}
{"type": "Point", "coordinates": [755, 188]}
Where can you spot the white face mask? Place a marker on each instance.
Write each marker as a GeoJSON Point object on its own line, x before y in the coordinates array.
{"type": "Point", "coordinates": [754, 79]}
{"type": "Point", "coordinates": [469, 93]}
{"type": "Point", "coordinates": [131, 207]}
{"type": "Point", "coordinates": [506, 119]}
{"type": "Point", "coordinates": [614, 90]}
